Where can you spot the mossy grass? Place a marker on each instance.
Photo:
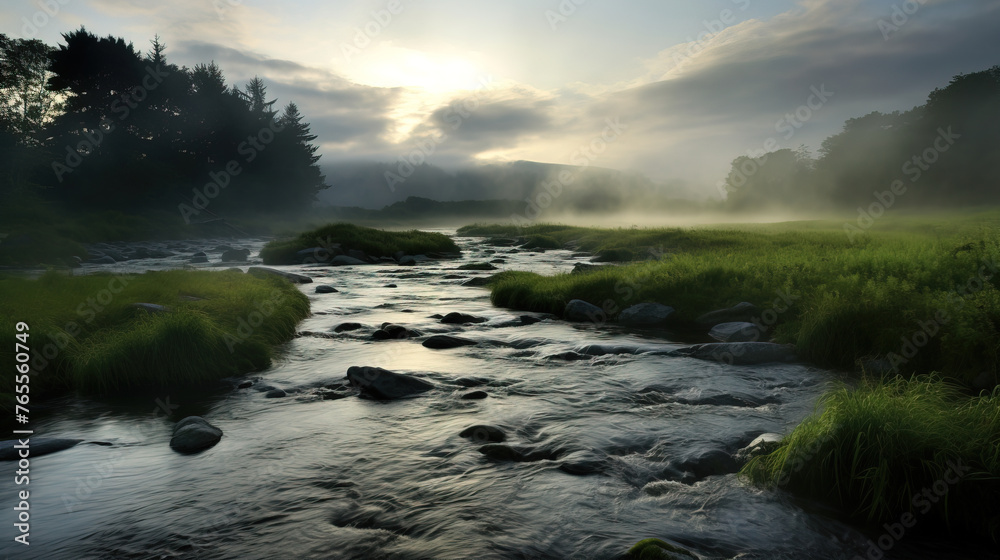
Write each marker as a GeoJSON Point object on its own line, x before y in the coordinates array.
{"type": "Point", "coordinates": [927, 287]}
{"type": "Point", "coordinates": [85, 333]}
{"type": "Point", "coordinates": [916, 446]}
{"type": "Point", "coordinates": [374, 242]}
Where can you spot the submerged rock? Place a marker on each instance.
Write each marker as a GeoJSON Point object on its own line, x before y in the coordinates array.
{"type": "Point", "coordinates": [646, 315]}
{"type": "Point", "coordinates": [383, 384]}
{"type": "Point", "coordinates": [581, 311]}
{"type": "Point", "coordinates": [737, 331]}
{"type": "Point", "coordinates": [483, 433]}
{"type": "Point", "coordinates": [326, 289]}
{"type": "Point", "coordinates": [475, 395]}
{"type": "Point", "coordinates": [194, 433]}
{"type": "Point", "coordinates": [444, 341]}
{"type": "Point", "coordinates": [235, 255]}
{"type": "Point", "coordinates": [740, 353]}
{"type": "Point", "coordinates": [763, 444]}
{"type": "Point", "coordinates": [348, 327]}
{"type": "Point", "coordinates": [275, 394]}
{"type": "Point", "coordinates": [461, 318]}
{"type": "Point", "coordinates": [36, 447]}
{"type": "Point", "coordinates": [263, 272]}
{"type": "Point", "coordinates": [741, 312]}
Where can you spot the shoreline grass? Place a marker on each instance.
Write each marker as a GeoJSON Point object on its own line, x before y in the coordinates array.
{"type": "Point", "coordinates": [86, 334]}
{"type": "Point", "coordinates": [918, 447]}
{"type": "Point", "coordinates": [374, 242]}
{"type": "Point", "coordinates": [912, 299]}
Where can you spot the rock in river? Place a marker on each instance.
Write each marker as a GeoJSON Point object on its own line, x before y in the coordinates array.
{"type": "Point", "coordinates": [762, 445]}
{"type": "Point", "coordinates": [263, 271]}
{"type": "Point", "coordinates": [740, 353]}
{"type": "Point", "coordinates": [737, 331]}
{"type": "Point", "coordinates": [36, 447]}
{"type": "Point", "coordinates": [483, 433]}
{"type": "Point", "coordinates": [325, 289]}
{"type": "Point", "coordinates": [194, 433]}
{"type": "Point", "coordinates": [646, 315]}
{"type": "Point", "coordinates": [461, 318]}
{"type": "Point", "coordinates": [581, 311]}
{"type": "Point", "coordinates": [383, 384]}
{"type": "Point", "coordinates": [443, 341]}
{"type": "Point", "coordinates": [742, 311]}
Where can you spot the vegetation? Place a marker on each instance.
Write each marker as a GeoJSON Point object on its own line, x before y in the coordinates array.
{"type": "Point", "coordinates": [372, 241]}
{"type": "Point", "coordinates": [918, 447]}
{"type": "Point", "coordinates": [913, 295]}
{"type": "Point", "coordinates": [656, 549]}
{"type": "Point", "coordinates": [86, 334]}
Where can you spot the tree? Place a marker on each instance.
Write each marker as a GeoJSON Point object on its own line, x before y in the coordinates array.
{"type": "Point", "coordinates": [26, 105]}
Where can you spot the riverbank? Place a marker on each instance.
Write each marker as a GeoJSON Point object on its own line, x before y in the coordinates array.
{"type": "Point", "coordinates": [107, 333]}
{"type": "Point", "coordinates": [341, 239]}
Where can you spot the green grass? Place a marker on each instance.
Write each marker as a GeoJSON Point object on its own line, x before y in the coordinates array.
{"type": "Point", "coordinates": [874, 449]}
{"type": "Point", "coordinates": [842, 302]}
{"type": "Point", "coordinates": [86, 335]}
{"type": "Point", "coordinates": [374, 242]}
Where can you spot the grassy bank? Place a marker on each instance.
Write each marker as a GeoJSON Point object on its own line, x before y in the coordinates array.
{"type": "Point", "coordinates": [374, 242]}
{"type": "Point", "coordinates": [904, 447]}
{"type": "Point", "coordinates": [919, 298]}
{"type": "Point", "coordinates": [85, 332]}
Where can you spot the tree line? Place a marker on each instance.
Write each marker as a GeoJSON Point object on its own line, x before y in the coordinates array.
{"type": "Point", "coordinates": [942, 153]}
{"type": "Point", "coordinates": [95, 123]}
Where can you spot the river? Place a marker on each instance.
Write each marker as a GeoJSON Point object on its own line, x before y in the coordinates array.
{"type": "Point", "coordinates": [308, 476]}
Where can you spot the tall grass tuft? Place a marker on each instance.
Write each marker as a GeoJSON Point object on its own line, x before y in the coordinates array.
{"type": "Point", "coordinates": [878, 449]}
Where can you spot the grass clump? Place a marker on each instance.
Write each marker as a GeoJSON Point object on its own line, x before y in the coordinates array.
{"type": "Point", "coordinates": [374, 242]}
{"type": "Point", "coordinates": [917, 447]}
{"type": "Point", "coordinates": [85, 333]}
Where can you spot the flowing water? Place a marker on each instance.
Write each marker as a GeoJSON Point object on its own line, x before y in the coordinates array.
{"type": "Point", "coordinates": [310, 476]}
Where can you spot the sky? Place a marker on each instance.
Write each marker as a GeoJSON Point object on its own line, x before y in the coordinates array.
{"type": "Point", "coordinates": [674, 90]}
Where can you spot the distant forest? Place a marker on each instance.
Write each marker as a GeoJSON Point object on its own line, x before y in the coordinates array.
{"type": "Point", "coordinates": [95, 124]}
{"type": "Point", "coordinates": [943, 153]}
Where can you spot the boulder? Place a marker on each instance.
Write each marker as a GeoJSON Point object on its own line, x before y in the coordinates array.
{"type": "Point", "coordinates": [478, 282]}
{"type": "Point", "coordinates": [37, 447]}
{"type": "Point", "coordinates": [198, 259]}
{"type": "Point", "coordinates": [646, 315]}
{"type": "Point", "coordinates": [740, 353]}
{"type": "Point", "coordinates": [483, 433]}
{"type": "Point", "coordinates": [581, 311]}
{"type": "Point", "coordinates": [325, 289]}
{"type": "Point", "coordinates": [275, 394]}
{"type": "Point", "coordinates": [235, 255]}
{"type": "Point", "coordinates": [348, 327]}
{"type": "Point", "coordinates": [443, 341]}
{"type": "Point", "coordinates": [501, 452]}
{"type": "Point", "coordinates": [383, 384]}
{"type": "Point", "coordinates": [741, 312]}
{"type": "Point", "coordinates": [461, 318]}
{"type": "Point", "coordinates": [263, 272]}
{"type": "Point", "coordinates": [346, 260]}
{"type": "Point", "coordinates": [763, 444]}
{"type": "Point", "coordinates": [193, 434]}
{"type": "Point", "coordinates": [737, 331]}
{"type": "Point", "coordinates": [475, 395]}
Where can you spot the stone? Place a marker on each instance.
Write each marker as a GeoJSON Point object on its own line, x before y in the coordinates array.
{"type": "Point", "coordinates": [37, 447]}
{"type": "Point", "coordinates": [763, 444]}
{"type": "Point", "coordinates": [461, 318]}
{"type": "Point", "coordinates": [275, 394]}
{"type": "Point", "coordinates": [580, 311]}
{"type": "Point", "coordinates": [646, 315]}
{"type": "Point", "coordinates": [383, 384]}
{"type": "Point", "coordinates": [263, 272]}
{"type": "Point", "coordinates": [193, 434]}
{"type": "Point", "coordinates": [346, 260]}
{"type": "Point", "coordinates": [740, 353]}
{"type": "Point", "coordinates": [443, 341]}
{"type": "Point", "coordinates": [741, 312]}
{"type": "Point", "coordinates": [325, 289]}
{"type": "Point", "coordinates": [235, 255]}
{"type": "Point", "coordinates": [475, 395]}
{"type": "Point", "coordinates": [198, 259]}
{"type": "Point", "coordinates": [348, 327]}
{"type": "Point", "coordinates": [737, 331]}
{"type": "Point", "coordinates": [483, 433]}
{"type": "Point", "coordinates": [245, 385]}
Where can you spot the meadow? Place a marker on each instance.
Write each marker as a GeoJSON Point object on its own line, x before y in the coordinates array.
{"type": "Point", "coordinates": [87, 334]}
{"type": "Point", "coordinates": [374, 242]}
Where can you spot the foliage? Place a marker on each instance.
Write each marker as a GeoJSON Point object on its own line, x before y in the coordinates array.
{"type": "Point", "coordinates": [374, 242]}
